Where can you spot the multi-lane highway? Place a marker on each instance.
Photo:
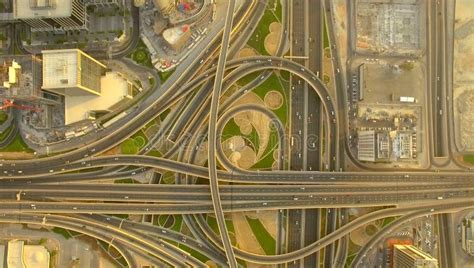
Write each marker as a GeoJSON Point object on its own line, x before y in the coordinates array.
{"type": "Point", "coordinates": [29, 195]}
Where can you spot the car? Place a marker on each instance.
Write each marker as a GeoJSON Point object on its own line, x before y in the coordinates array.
{"type": "Point", "coordinates": [264, 203]}
{"type": "Point", "coordinates": [295, 198]}
{"type": "Point", "coordinates": [75, 208]}
{"type": "Point", "coordinates": [126, 197]}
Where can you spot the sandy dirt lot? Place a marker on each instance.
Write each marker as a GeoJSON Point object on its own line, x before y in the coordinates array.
{"type": "Point", "coordinates": [463, 79]}
{"type": "Point", "coordinates": [273, 100]}
{"type": "Point", "coordinates": [271, 40]}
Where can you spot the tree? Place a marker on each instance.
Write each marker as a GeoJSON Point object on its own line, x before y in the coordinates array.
{"type": "Point", "coordinates": [407, 66]}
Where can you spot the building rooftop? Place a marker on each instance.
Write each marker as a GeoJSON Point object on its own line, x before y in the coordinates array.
{"type": "Point", "coordinates": [20, 77]}
{"type": "Point", "coordinates": [114, 88]}
{"type": "Point", "coordinates": [35, 256]}
{"type": "Point", "coordinates": [37, 9]}
{"type": "Point", "coordinates": [173, 35]}
{"type": "Point", "coordinates": [71, 68]}
{"type": "Point", "coordinates": [14, 255]}
{"type": "Point", "coordinates": [59, 68]}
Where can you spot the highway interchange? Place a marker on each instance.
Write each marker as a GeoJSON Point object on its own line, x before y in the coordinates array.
{"type": "Point", "coordinates": [43, 190]}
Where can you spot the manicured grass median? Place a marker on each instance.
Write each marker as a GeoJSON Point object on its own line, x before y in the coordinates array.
{"type": "Point", "coordinates": [387, 221]}
{"type": "Point", "coordinates": [469, 159]}
{"type": "Point", "coordinates": [258, 37]}
{"type": "Point", "coordinates": [3, 117]}
{"type": "Point", "coordinates": [266, 241]}
{"type": "Point", "coordinates": [133, 144]}
{"type": "Point", "coordinates": [65, 233]}
{"type": "Point", "coordinates": [5, 133]}
{"type": "Point", "coordinates": [17, 145]}
{"type": "Point", "coordinates": [273, 83]}
{"type": "Point", "coordinates": [165, 75]}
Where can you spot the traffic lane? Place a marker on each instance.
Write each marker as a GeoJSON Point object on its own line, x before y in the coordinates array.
{"type": "Point", "coordinates": [234, 206]}
{"type": "Point", "coordinates": [268, 63]}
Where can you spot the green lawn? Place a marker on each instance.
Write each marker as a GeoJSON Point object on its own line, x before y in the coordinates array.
{"type": "Point", "coordinates": [132, 181]}
{"type": "Point", "coordinates": [249, 78]}
{"type": "Point", "coordinates": [371, 229]}
{"type": "Point", "coordinates": [141, 55]}
{"type": "Point", "coordinates": [151, 80]}
{"type": "Point", "coordinates": [253, 138]}
{"type": "Point", "coordinates": [3, 117]}
{"type": "Point", "coordinates": [5, 133]}
{"type": "Point", "coordinates": [65, 233]}
{"type": "Point", "coordinates": [349, 260]}
{"type": "Point", "coordinates": [154, 153]}
{"type": "Point", "coordinates": [133, 144]}
{"type": "Point", "coordinates": [267, 159]}
{"type": "Point", "coordinates": [164, 114]}
{"type": "Point", "coordinates": [387, 221]}
{"type": "Point", "coordinates": [17, 145]}
{"type": "Point", "coordinates": [178, 222]}
{"type": "Point", "coordinates": [273, 83]}
{"type": "Point", "coordinates": [469, 159]}
{"type": "Point", "coordinates": [194, 253]}
{"type": "Point", "coordinates": [129, 146]}
{"type": "Point", "coordinates": [230, 129]}
{"type": "Point", "coordinates": [285, 75]}
{"type": "Point", "coordinates": [325, 35]}
{"type": "Point", "coordinates": [165, 75]}
{"type": "Point", "coordinates": [261, 31]}
{"type": "Point", "coordinates": [211, 220]}
{"type": "Point", "coordinates": [266, 241]}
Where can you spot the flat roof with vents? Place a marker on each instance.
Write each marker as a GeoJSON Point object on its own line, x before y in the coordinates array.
{"type": "Point", "coordinates": [71, 68]}
{"type": "Point", "coordinates": [37, 9]}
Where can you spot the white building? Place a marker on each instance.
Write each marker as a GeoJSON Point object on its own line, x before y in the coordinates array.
{"type": "Point", "coordinates": [26, 256]}
{"type": "Point", "coordinates": [468, 236]}
{"type": "Point", "coordinates": [47, 15]}
{"type": "Point", "coordinates": [165, 6]}
{"type": "Point", "coordinates": [409, 256]}
{"type": "Point", "coordinates": [177, 36]}
{"type": "Point", "coordinates": [84, 82]}
{"type": "Point", "coordinates": [366, 146]}
{"type": "Point", "coordinates": [71, 72]}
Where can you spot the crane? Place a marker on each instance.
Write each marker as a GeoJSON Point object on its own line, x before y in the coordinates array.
{"type": "Point", "coordinates": [9, 103]}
